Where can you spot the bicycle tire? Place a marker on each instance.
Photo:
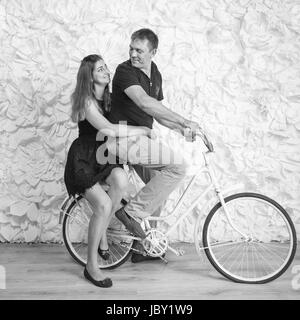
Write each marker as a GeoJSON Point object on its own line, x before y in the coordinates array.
{"type": "Point", "coordinates": [264, 246]}
{"type": "Point", "coordinates": [114, 241]}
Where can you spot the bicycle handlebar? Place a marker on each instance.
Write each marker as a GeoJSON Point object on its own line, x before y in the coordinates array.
{"type": "Point", "coordinates": [205, 140]}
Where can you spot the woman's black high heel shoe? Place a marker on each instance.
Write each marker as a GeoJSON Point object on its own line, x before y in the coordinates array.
{"type": "Point", "coordinates": [106, 283]}
{"type": "Point", "coordinates": [104, 254]}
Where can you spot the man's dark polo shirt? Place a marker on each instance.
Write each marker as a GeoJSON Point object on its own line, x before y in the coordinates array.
{"type": "Point", "coordinates": [123, 108]}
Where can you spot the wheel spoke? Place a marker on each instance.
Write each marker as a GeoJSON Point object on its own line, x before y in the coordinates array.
{"type": "Point", "coordinates": [75, 229]}
{"type": "Point", "coordinates": [271, 244]}
{"type": "Point", "coordinates": [272, 253]}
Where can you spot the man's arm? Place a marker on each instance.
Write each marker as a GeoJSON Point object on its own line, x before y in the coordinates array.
{"type": "Point", "coordinates": [152, 106]}
{"type": "Point", "coordinates": [171, 125]}
{"type": "Point", "coordinates": [160, 113]}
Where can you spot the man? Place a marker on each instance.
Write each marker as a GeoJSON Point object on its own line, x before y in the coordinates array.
{"type": "Point", "coordinates": [136, 98]}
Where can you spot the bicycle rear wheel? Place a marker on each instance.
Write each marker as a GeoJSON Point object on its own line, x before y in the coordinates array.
{"type": "Point", "coordinates": [266, 250]}
{"type": "Point", "coordinates": [75, 236]}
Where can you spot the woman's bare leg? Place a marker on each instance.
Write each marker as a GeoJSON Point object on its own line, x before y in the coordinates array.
{"type": "Point", "coordinates": [102, 206]}
{"type": "Point", "coordinates": [118, 182]}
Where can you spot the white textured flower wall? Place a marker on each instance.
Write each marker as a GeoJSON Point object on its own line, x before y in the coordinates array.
{"type": "Point", "coordinates": [232, 65]}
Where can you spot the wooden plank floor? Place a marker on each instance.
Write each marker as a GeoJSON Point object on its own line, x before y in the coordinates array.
{"type": "Point", "coordinates": [46, 271]}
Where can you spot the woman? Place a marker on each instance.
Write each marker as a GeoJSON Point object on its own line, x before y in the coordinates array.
{"type": "Point", "coordinates": [83, 175]}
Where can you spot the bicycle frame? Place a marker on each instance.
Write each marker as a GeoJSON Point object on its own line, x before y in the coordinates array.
{"type": "Point", "coordinates": [213, 186]}
{"type": "Point", "coordinates": [157, 243]}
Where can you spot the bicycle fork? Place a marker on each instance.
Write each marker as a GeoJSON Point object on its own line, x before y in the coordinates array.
{"type": "Point", "coordinates": [221, 198]}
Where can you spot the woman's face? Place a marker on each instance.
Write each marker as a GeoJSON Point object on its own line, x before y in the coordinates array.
{"type": "Point", "coordinates": [101, 74]}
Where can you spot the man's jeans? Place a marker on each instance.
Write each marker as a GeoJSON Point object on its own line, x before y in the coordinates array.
{"type": "Point", "coordinates": [158, 166]}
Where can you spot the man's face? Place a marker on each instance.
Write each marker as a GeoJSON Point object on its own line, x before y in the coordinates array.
{"type": "Point", "coordinates": [141, 53]}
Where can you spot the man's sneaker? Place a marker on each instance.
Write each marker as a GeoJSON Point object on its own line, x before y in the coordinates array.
{"type": "Point", "coordinates": [131, 225]}
{"type": "Point", "coordinates": [136, 258]}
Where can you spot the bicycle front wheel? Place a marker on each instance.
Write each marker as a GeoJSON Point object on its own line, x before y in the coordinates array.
{"type": "Point", "coordinates": [75, 236]}
{"type": "Point", "coordinates": [256, 244]}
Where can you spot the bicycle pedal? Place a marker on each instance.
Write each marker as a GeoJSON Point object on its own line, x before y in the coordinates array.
{"type": "Point", "coordinates": [164, 259]}
{"type": "Point", "coordinates": [180, 251]}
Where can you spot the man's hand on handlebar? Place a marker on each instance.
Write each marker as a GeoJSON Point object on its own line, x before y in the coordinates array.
{"type": "Point", "coordinates": [190, 130]}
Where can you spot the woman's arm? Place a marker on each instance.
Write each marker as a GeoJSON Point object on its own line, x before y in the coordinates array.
{"type": "Point", "coordinates": [97, 120]}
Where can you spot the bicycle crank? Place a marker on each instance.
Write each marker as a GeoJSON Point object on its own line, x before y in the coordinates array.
{"type": "Point", "coordinates": [156, 243]}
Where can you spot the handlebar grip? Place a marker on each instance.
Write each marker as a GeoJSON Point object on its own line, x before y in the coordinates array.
{"type": "Point", "coordinates": [207, 143]}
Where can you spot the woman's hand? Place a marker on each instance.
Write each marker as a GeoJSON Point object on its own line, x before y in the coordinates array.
{"type": "Point", "coordinates": [150, 133]}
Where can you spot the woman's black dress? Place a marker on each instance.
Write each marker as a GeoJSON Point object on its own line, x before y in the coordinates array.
{"type": "Point", "coordinates": [82, 170]}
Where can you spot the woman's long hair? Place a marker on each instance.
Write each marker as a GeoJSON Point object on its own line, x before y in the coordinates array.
{"type": "Point", "coordinates": [84, 89]}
